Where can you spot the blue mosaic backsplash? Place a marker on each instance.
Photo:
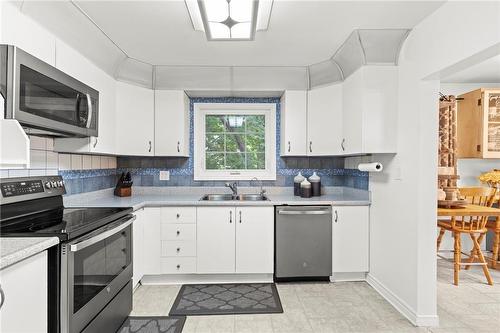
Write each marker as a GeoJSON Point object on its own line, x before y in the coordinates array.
{"type": "Point", "coordinates": [145, 170]}
{"type": "Point", "coordinates": [80, 181]}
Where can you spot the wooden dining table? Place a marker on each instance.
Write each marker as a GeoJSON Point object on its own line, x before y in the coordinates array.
{"type": "Point", "coordinates": [471, 210]}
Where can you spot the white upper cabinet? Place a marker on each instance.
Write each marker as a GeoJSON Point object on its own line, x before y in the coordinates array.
{"type": "Point", "coordinates": [73, 63]}
{"type": "Point", "coordinates": [294, 123]}
{"type": "Point", "coordinates": [370, 99]}
{"type": "Point", "coordinates": [324, 121]}
{"type": "Point", "coordinates": [134, 120]}
{"type": "Point", "coordinates": [171, 120]}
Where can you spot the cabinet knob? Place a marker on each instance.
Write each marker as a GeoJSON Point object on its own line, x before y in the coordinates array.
{"type": "Point", "coordinates": [240, 216]}
{"type": "Point", "coordinates": [342, 144]}
{"type": "Point", "coordinates": [178, 147]}
{"type": "Point", "coordinates": [230, 217]}
{"type": "Point", "coordinates": [289, 146]}
{"type": "Point", "coordinates": [178, 249]}
{"type": "Point", "coordinates": [95, 142]}
{"type": "Point", "coordinates": [310, 146]}
{"type": "Point", "coordinates": [178, 215]}
{"type": "Point", "coordinates": [178, 232]}
{"type": "Point", "coordinates": [336, 216]}
{"type": "Point", "coordinates": [178, 266]}
{"type": "Point", "coordinates": [149, 149]}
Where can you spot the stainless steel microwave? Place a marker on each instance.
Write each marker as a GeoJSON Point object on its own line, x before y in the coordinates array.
{"type": "Point", "coordinates": [45, 99]}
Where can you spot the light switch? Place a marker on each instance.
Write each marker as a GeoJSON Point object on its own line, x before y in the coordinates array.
{"type": "Point", "coordinates": [165, 175]}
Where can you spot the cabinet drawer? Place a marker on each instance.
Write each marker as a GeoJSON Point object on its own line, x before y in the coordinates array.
{"type": "Point", "coordinates": [178, 215]}
{"type": "Point", "coordinates": [178, 265]}
{"type": "Point", "coordinates": [178, 231]}
{"type": "Point", "coordinates": [178, 249]}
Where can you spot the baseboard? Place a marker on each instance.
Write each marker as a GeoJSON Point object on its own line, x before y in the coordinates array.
{"type": "Point", "coordinates": [168, 279]}
{"type": "Point", "coordinates": [402, 306]}
{"type": "Point", "coordinates": [348, 277]}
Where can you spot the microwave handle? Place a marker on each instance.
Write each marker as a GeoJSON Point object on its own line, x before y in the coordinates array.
{"type": "Point", "coordinates": [89, 106]}
{"type": "Point", "coordinates": [101, 236]}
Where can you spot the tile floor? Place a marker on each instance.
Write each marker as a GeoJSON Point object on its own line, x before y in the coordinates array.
{"type": "Point", "coordinates": [346, 307]}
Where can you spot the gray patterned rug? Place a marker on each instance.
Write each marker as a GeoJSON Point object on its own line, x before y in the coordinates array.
{"type": "Point", "coordinates": [219, 299]}
{"type": "Point", "coordinates": [153, 325]}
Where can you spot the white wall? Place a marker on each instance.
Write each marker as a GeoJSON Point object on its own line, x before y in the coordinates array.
{"type": "Point", "coordinates": [403, 212]}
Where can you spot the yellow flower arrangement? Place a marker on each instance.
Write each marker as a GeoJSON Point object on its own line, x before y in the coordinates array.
{"type": "Point", "coordinates": [492, 178]}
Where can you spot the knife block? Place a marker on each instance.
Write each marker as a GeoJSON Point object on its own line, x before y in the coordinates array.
{"type": "Point", "coordinates": [123, 191]}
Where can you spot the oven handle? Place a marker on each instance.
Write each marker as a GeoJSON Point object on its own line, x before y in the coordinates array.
{"type": "Point", "coordinates": [105, 234]}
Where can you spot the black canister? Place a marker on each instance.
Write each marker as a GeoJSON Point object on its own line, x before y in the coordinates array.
{"type": "Point", "coordinates": [296, 184]}
{"type": "Point", "coordinates": [305, 189]}
{"type": "Point", "coordinates": [315, 181]}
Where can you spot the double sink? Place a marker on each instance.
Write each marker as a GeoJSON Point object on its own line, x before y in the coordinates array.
{"type": "Point", "coordinates": [230, 197]}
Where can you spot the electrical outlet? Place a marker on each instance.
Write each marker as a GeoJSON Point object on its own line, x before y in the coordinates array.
{"type": "Point", "coordinates": [165, 175]}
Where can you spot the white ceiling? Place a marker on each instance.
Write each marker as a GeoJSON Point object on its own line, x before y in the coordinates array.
{"type": "Point", "coordinates": [125, 38]}
{"type": "Point", "coordinates": [485, 72]}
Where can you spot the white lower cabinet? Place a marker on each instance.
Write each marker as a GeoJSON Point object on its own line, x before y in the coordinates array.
{"type": "Point", "coordinates": [138, 247]}
{"type": "Point", "coordinates": [216, 240]}
{"type": "Point", "coordinates": [350, 239]}
{"type": "Point", "coordinates": [25, 291]}
{"type": "Point", "coordinates": [152, 246]}
{"type": "Point", "coordinates": [235, 240]}
{"type": "Point", "coordinates": [254, 239]}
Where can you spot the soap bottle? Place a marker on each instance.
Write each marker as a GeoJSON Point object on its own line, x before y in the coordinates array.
{"type": "Point", "coordinates": [315, 181]}
{"type": "Point", "coordinates": [305, 189]}
{"type": "Point", "coordinates": [296, 184]}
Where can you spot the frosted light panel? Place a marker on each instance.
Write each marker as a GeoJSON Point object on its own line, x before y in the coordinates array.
{"type": "Point", "coordinates": [216, 10]}
{"type": "Point", "coordinates": [241, 30]}
{"type": "Point", "coordinates": [241, 10]}
{"type": "Point", "coordinates": [219, 30]}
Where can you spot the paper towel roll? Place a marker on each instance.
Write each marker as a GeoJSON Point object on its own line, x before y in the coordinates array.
{"type": "Point", "coordinates": [371, 167]}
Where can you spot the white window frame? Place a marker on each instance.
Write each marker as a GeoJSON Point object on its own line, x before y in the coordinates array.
{"type": "Point", "coordinates": [203, 109]}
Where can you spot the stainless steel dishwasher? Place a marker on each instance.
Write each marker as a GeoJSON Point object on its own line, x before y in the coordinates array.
{"type": "Point", "coordinates": [303, 246]}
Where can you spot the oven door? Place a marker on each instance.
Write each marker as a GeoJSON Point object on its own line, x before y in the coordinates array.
{"type": "Point", "coordinates": [94, 268]}
{"type": "Point", "coordinates": [50, 101]}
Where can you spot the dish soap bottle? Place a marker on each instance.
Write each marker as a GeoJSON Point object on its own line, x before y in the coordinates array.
{"type": "Point", "coordinates": [296, 184]}
{"type": "Point", "coordinates": [315, 181]}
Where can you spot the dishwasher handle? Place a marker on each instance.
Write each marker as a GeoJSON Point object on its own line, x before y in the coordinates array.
{"type": "Point", "coordinates": [304, 212]}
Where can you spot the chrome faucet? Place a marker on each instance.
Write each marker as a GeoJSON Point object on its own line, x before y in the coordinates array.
{"type": "Point", "coordinates": [262, 191]}
{"type": "Point", "coordinates": [234, 188]}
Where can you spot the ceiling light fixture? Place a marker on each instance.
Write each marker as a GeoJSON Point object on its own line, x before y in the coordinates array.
{"type": "Point", "coordinates": [233, 20]}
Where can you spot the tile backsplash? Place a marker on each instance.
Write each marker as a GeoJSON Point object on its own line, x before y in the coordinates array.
{"type": "Point", "coordinates": [81, 173]}
{"type": "Point", "coordinates": [145, 170]}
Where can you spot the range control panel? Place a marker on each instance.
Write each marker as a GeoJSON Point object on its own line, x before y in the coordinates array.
{"type": "Point", "coordinates": [28, 188]}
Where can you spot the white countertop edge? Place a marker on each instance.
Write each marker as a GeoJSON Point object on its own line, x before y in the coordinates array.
{"type": "Point", "coordinates": [20, 248]}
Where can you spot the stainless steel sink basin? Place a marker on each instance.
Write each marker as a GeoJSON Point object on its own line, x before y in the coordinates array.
{"type": "Point", "coordinates": [252, 197]}
{"type": "Point", "coordinates": [217, 197]}
{"type": "Point", "coordinates": [229, 197]}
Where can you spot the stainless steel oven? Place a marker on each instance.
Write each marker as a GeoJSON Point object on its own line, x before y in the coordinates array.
{"type": "Point", "coordinates": [45, 99]}
{"type": "Point", "coordinates": [94, 269]}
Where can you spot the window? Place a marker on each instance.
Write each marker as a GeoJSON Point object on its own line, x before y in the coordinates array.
{"type": "Point", "coordinates": [234, 141]}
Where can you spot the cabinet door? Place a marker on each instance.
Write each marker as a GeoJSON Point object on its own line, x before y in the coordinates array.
{"type": "Point", "coordinates": [73, 63]}
{"type": "Point", "coordinates": [350, 239]}
{"type": "Point", "coordinates": [152, 242]}
{"type": "Point", "coordinates": [293, 123]}
{"type": "Point", "coordinates": [491, 129]}
{"type": "Point", "coordinates": [135, 120]}
{"type": "Point", "coordinates": [254, 239]}
{"type": "Point", "coordinates": [171, 123]}
{"type": "Point", "coordinates": [25, 290]}
{"type": "Point", "coordinates": [324, 121]}
{"type": "Point", "coordinates": [352, 115]}
{"type": "Point", "coordinates": [215, 239]}
{"type": "Point", "coordinates": [138, 246]}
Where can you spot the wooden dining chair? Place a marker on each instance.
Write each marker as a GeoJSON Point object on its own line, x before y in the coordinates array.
{"type": "Point", "coordinates": [494, 227]}
{"type": "Point", "coordinates": [474, 226]}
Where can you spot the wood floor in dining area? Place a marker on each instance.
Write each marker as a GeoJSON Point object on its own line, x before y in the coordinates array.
{"type": "Point", "coordinates": [346, 307]}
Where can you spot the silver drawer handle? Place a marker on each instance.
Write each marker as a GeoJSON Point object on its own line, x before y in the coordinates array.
{"type": "Point", "coordinates": [289, 146]}
{"type": "Point", "coordinates": [336, 216]}
{"type": "Point", "coordinates": [178, 147]}
{"type": "Point", "coordinates": [303, 212]}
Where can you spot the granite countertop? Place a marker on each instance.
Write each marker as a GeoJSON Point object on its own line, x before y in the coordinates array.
{"type": "Point", "coordinates": [154, 197]}
{"type": "Point", "coordinates": [13, 250]}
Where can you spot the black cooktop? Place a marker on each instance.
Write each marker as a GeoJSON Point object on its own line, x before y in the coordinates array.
{"type": "Point", "coordinates": [65, 223]}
